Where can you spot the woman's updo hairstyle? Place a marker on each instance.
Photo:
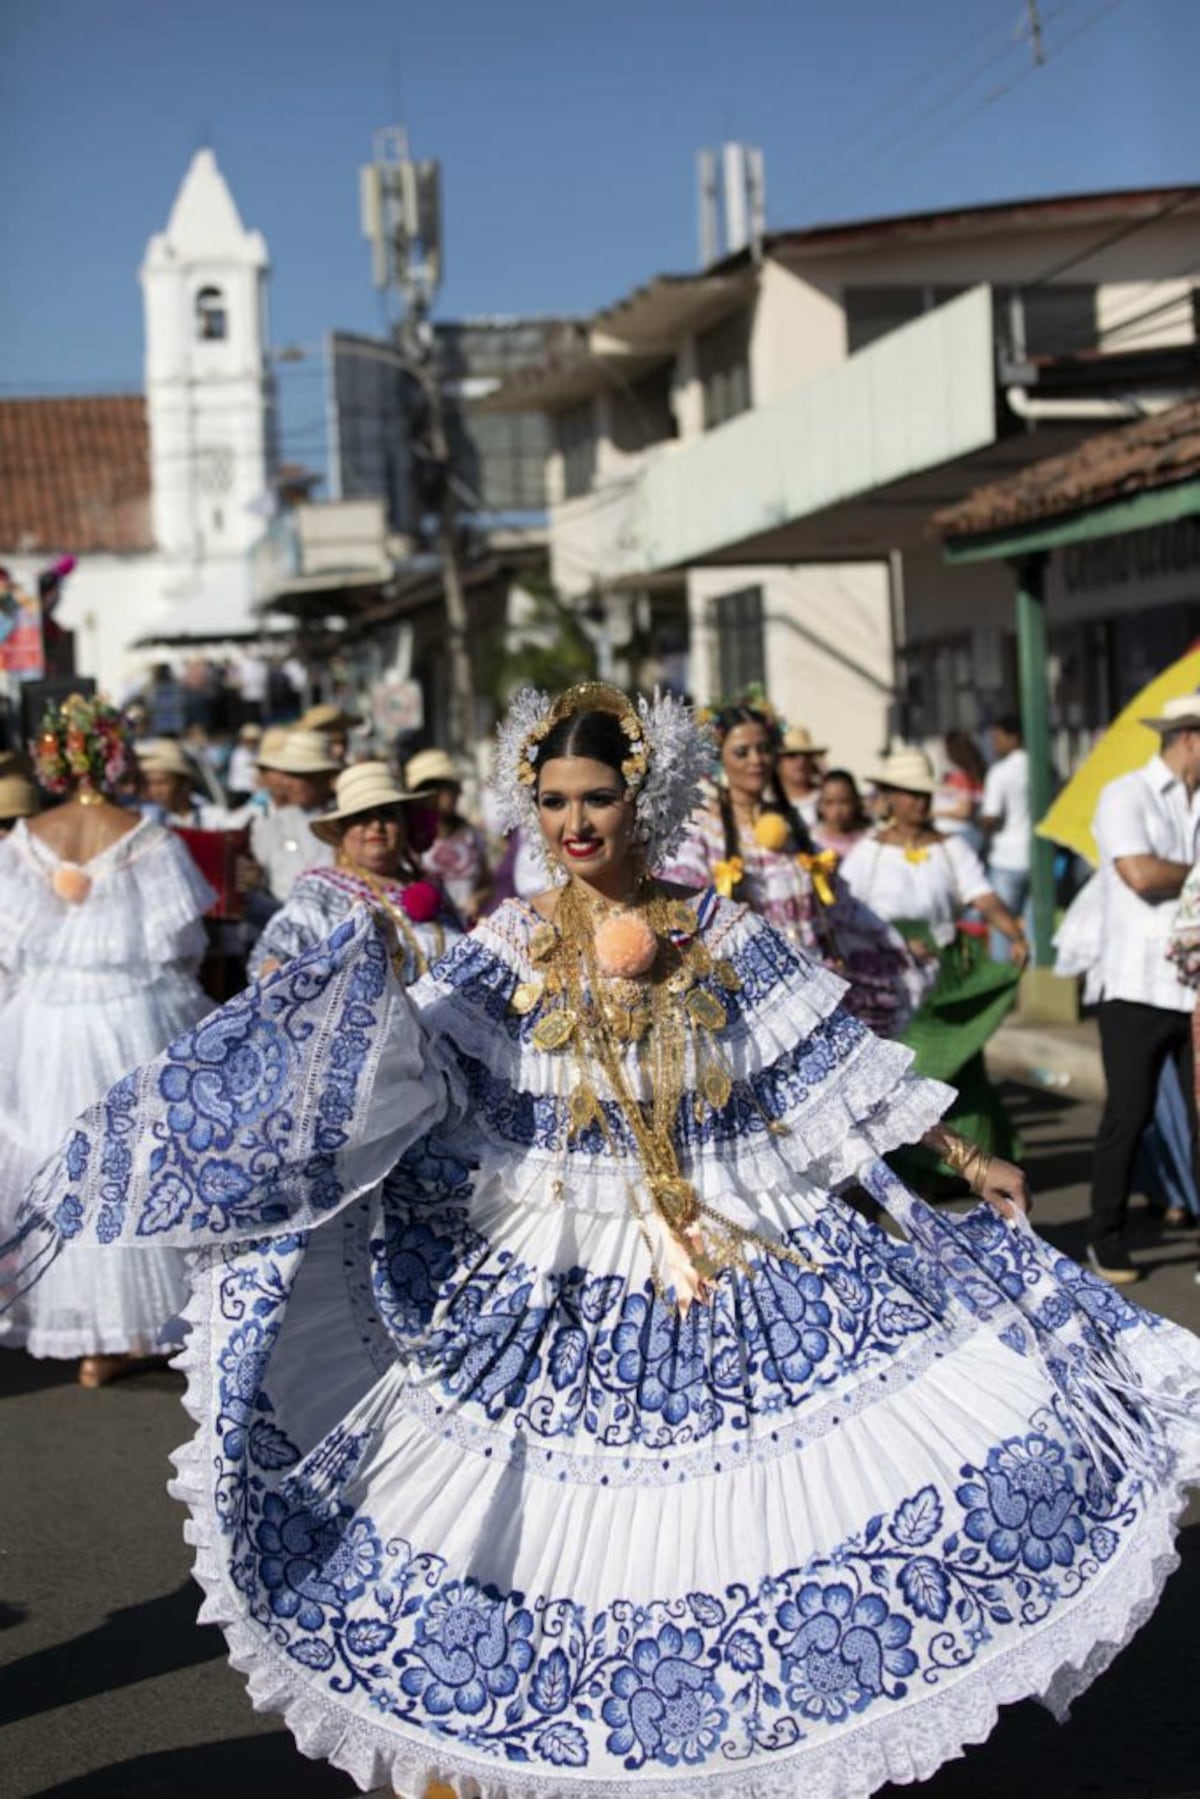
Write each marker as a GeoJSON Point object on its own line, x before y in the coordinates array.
{"type": "Point", "coordinates": [596, 736]}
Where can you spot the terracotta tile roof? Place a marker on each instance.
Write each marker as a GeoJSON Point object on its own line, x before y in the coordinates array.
{"type": "Point", "coordinates": [1156, 452]}
{"type": "Point", "coordinates": [75, 474]}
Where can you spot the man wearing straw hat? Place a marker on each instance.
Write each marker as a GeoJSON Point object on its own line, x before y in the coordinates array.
{"type": "Point", "coordinates": [1147, 829]}
{"type": "Point", "coordinates": [281, 842]}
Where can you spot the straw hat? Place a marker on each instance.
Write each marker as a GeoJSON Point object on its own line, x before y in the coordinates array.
{"type": "Point", "coordinates": [273, 740]}
{"type": "Point", "coordinates": [19, 797]}
{"type": "Point", "coordinates": [301, 753]}
{"type": "Point", "coordinates": [908, 769]}
{"type": "Point", "coordinates": [328, 718]}
{"type": "Point", "coordinates": [1181, 714]}
{"type": "Point", "coordinates": [163, 756]}
{"type": "Point", "coordinates": [798, 741]}
{"type": "Point", "coordinates": [431, 768]}
{"type": "Point", "coordinates": [363, 788]}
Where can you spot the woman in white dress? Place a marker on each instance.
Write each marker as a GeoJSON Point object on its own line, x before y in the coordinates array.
{"type": "Point", "coordinates": [922, 882]}
{"type": "Point", "coordinates": [103, 933]}
{"type": "Point", "coordinates": [559, 1429]}
{"type": "Point", "coordinates": [374, 867]}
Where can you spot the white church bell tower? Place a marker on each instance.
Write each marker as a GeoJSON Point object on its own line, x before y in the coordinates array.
{"type": "Point", "coordinates": [209, 395]}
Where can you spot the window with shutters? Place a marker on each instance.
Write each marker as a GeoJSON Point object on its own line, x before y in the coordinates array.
{"type": "Point", "coordinates": [741, 656]}
{"type": "Point", "coordinates": [576, 431]}
{"type": "Point", "coordinates": [723, 364]}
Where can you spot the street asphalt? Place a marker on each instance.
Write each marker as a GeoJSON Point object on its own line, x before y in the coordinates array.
{"type": "Point", "coordinates": [110, 1690]}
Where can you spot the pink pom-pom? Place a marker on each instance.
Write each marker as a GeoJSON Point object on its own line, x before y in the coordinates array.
{"type": "Point", "coordinates": [71, 884]}
{"type": "Point", "coordinates": [625, 946]}
{"type": "Point", "coordinates": [422, 901]}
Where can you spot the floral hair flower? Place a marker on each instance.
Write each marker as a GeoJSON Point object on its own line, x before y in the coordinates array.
{"type": "Point", "coordinates": [625, 946]}
{"type": "Point", "coordinates": [83, 743]}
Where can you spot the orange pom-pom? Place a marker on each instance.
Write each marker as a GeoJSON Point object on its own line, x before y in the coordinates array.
{"type": "Point", "coordinates": [625, 946]}
{"type": "Point", "coordinates": [71, 884]}
{"type": "Point", "coordinates": [771, 831]}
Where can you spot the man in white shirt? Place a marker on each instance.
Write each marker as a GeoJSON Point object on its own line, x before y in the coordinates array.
{"type": "Point", "coordinates": [1006, 823]}
{"type": "Point", "coordinates": [1147, 828]}
{"type": "Point", "coordinates": [281, 842]}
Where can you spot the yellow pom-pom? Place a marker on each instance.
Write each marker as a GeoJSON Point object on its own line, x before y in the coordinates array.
{"type": "Point", "coordinates": [625, 946]}
{"type": "Point", "coordinates": [771, 831]}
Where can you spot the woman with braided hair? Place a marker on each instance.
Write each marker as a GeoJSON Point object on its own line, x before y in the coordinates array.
{"type": "Point", "coordinates": [559, 1428]}
{"type": "Point", "coordinates": [753, 846]}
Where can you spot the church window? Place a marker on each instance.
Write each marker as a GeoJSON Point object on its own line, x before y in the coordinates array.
{"type": "Point", "coordinates": [211, 317]}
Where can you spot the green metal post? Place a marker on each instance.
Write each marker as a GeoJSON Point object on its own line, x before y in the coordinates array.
{"type": "Point", "coordinates": [1035, 724]}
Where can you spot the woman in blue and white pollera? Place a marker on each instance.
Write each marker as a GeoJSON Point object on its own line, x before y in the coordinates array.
{"type": "Point", "coordinates": [558, 1427]}
{"type": "Point", "coordinates": [374, 867]}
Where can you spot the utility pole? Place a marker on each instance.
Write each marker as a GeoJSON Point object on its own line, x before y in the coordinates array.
{"type": "Point", "coordinates": [401, 216]}
{"type": "Point", "coordinates": [1035, 31]}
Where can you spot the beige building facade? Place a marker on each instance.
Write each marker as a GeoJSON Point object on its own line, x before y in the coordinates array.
{"type": "Point", "coordinates": [746, 459]}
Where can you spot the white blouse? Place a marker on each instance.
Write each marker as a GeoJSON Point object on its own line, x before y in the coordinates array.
{"type": "Point", "coordinates": [935, 884]}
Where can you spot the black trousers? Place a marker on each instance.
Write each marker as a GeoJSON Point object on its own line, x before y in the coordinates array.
{"type": "Point", "coordinates": [1135, 1041]}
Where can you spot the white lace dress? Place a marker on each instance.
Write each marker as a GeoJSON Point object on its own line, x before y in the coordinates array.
{"type": "Point", "coordinates": [472, 1504]}
{"type": "Point", "coordinates": [94, 985]}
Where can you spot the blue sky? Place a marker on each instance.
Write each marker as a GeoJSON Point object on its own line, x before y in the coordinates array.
{"type": "Point", "coordinates": [567, 132]}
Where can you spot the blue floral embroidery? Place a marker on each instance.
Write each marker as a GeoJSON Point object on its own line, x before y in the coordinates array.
{"type": "Point", "coordinates": [666, 1705]}
{"type": "Point", "coordinates": [228, 1084]}
{"type": "Point", "coordinates": [703, 1679]}
{"type": "Point", "coordinates": [1026, 1508]}
{"type": "Point", "coordinates": [470, 1648]}
{"type": "Point", "coordinates": [839, 1650]}
{"type": "Point", "coordinates": [569, 1355]}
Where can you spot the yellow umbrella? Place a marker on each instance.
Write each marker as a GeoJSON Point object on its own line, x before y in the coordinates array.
{"type": "Point", "coordinates": [1126, 744]}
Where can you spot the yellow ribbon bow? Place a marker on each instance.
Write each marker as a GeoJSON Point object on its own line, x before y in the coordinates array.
{"type": "Point", "coordinates": [726, 876]}
{"type": "Point", "coordinates": [820, 869]}
{"type": "Point", "coordinates": [916, 856]}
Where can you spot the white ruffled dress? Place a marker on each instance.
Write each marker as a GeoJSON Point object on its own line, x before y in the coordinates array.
{"type": "Point", "coordinates": [470, 1503]}
{"type": "Point", "coordinates": [91, 990]}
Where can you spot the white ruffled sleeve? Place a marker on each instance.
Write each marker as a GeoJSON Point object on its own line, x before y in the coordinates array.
{"type": "Point", "coordinates": [172, 897]}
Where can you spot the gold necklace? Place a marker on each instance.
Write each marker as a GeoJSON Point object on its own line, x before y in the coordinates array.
{"type": "Point", "coordinates": [399, 917]}
{"type": "Point", "coordinates": [671, 1015]}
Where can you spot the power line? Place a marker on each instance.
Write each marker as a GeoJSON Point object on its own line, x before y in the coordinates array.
{"type": "Point", "coordinates": [998, 93]}
{"type": "Point", "coordinates": [969, 79]}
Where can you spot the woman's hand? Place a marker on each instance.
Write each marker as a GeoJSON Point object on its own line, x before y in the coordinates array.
{"type": "Point", "coordinates": [1004, 1188]}
{"type": "Point", "coordinates": [1018, 951]}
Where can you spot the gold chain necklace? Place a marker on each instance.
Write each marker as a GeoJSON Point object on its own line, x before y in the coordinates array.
{"type": "Point", "coordinates": [399, 917]}
{"type": "Point", "coordinates": [670, 1011]}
